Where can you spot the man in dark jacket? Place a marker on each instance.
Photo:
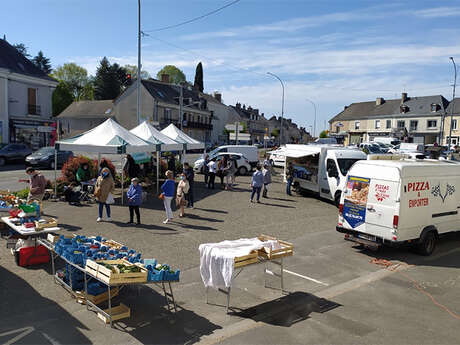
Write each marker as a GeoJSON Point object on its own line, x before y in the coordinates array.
{"type": "Point", "coordinates": [190, 175]}
{"type": "Point", "coordinates": [289, 177]}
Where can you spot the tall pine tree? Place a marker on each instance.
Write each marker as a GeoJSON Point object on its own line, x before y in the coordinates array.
{"type": "Point", "coordinates": [109, 80]}
{"type": "Point", "coordinates": [42, 62]}
{"type": "Point", "coordinates": [198, 84]}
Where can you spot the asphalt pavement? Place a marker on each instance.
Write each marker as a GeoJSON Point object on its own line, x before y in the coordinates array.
{"type": "Point", "coordinates": [335, 293]}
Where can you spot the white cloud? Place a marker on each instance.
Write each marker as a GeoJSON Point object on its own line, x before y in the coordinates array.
{"type": "Point", "coordinates": [438, 12]}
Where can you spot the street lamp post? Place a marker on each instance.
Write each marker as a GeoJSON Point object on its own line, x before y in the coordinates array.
{"type": "Point", "coordinates": [282, 106]}
{"type": "Point", "coordinates": [314, 123]}
{"type": "Point", "coordinates": [453, 102]}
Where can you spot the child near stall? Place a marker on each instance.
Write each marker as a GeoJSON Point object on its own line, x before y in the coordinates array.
{"type": "Point", "coordinates": [134, 195]}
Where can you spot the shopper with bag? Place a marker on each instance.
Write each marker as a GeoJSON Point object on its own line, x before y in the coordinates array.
{"type": "Point", "coordinates": [134, 196]}
{"type": "Point", "coordinates": [168, 189]}
{"type": "Point", "coordinates": [267, 178]}
{"type": "Point", "coordinates": [182, 189]}
{"type": "Point", "coordinates": [103, 192]}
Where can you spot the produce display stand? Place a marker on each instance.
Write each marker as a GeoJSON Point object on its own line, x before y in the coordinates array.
{"type": "Point", "coordinates": [113, 313]}
{"type": "Point", "coordinates": [256, 257]}
{"type": "Point", "coordinates": [28, 233]}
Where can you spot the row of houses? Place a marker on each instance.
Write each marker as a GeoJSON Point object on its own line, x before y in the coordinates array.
{"type": "Point", "coordinates": [425, 119]}
{"type": "Point", "coordinates": [204, 115]}
{"type": "Point", "coordinates": [26, 109]}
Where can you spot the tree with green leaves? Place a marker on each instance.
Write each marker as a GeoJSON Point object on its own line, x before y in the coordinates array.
{"type": "Point", "coordinates": [76, 79]}
{"type": "Point", "coordinates": [42, 62]}
{"type": "Point", "coordinates": [132, 70]}
{"type": "Point", "coordinates": [176, 76]}
{"type": "Point", "coordinates": [109, 81]}
{"type": "Point", "coordinates": [62, 97]}
{"type": "Point", "coordinates": [21, 48]}
{"type": "Point", "coordinates": [275, 133]}
{"type": "Point", "coordinates": [199, 77]}
{"type": "Point", "coordinates": [324, 134]}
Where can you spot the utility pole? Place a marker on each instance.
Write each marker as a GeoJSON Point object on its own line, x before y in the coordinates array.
{"type": "Point", "coordinates": [236, 132]}
{"type": "Point", "coordinates": [453, 103]}
{"type": "Point", "coordinates": [138, 81]}
{"type": "Point", "coordinates": [181, 106]}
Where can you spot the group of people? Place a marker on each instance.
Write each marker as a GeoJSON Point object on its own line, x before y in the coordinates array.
{"type": "Point", "coordinates": [184, 193]}
{"type": "Point", "coordinates": [224, 168]}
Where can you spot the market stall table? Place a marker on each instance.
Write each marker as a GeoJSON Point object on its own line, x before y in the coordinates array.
{"type": "Point", "coordinates": [265, 255]}
{"type": "Point", "coordinates": [27, 233]}
{"type": "Point", "coordinates": [112, 313]}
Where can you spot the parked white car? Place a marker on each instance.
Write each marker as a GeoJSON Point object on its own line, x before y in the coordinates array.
{"type": "Point", "coordinates": [242, 163]}
{"type": "Point", "coordinates": [277, 157]}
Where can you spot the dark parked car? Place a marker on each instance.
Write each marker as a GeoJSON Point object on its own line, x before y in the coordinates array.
{"type": "Point", "coordinates": [45, 157]}
{"type": "Point", "coordinates": [13, 153]}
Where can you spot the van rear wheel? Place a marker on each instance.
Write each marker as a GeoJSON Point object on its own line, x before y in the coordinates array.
{"type": "Point", "coordinates": [337, 198]}
{"type": "Point", "coordinates": [427, 244]}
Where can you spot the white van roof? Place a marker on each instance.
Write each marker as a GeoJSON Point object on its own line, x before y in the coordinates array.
{"type": "Point", "coordinates": [405, 168]}
{"type": "Point", "coordinates": [298, 150]}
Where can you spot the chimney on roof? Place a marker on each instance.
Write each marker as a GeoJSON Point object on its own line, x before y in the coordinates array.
{"type": "Point", "coordinates": [165, 78]}
{"type": "Point", "coordinates": [256, 111]}
{"type": "Point", "coordinates": [403, 97]}
{"type": "Point", "coordinates": [345, 107]}
{"type": "Point", "coordinates": [238, 105]}
{"type": "Point", "coordinates": [379, 101]}
{"type": "Point", "coordinates": [218, 96]}
{"type": "Point", "coordinates": [244, 106]}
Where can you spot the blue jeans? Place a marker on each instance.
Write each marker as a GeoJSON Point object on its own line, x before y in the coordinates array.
{"type": "Point", "coordinates": [254, 191]}
{"type": "Point", "coordinates": [101, 208]}
{"type": "Point", "coordinates": [288, 186]}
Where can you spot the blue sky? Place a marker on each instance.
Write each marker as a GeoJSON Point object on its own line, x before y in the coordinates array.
{"type": "Point", "coordinates": [331, 52]}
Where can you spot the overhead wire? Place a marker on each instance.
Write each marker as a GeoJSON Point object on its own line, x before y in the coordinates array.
{"type": "Point", "coordinates": [193, 19]}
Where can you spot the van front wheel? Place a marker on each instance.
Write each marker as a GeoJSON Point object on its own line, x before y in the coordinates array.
{"type": "Point", "coordinates": [427, 244]}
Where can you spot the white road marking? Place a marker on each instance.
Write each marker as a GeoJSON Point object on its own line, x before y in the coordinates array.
{"type": "Point", "coordinates": [23, 333]}
{"type": "Point", "coordinates": [305, 277]}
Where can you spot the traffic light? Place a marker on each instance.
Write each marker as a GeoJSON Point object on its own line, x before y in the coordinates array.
{"type": "Point", "coordinates": [128, 80]}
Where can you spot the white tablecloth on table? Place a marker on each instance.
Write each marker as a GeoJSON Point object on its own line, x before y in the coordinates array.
{"type": "Point", "coordinates": [21, 229]}
{"type": "Point", "coordinates": [217, 259]}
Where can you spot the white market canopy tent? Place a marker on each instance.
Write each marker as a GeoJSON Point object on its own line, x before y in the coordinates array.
{"type": "Point", "coordinates": [152, 135]}
{"type": "Point", "coordinates": [108, 137]}
{"type": "Point", "coordinates": [177, 135]}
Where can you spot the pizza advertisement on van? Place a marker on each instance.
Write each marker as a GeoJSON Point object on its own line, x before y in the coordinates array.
{"type": "Point", "coordinates": [354, 207]}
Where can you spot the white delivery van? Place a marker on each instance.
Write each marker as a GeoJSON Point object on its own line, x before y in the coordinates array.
{"type": "Point", "coordinates": [387, 140]}
{"type": "Point", "coordinates": [248, 151]}
{"type": "Point", "coordinates": [321, 169]}
{"type": "Point", "coordinates": [389, 202]}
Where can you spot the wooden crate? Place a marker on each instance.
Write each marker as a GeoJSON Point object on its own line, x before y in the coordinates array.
{"type": "Point", "coordinates": [112, 244]}
{"type": "Point", "coordinates": [118, 312]}
{"type": "Point", "coordinates": [287, 249]}
{"type": "Point", "coordinates": [51, 223]}
{"type": "Point", "coordinates": [52, 238]}
{"type": "Point", "coordinates": [245, 260]}
{"type": "Point", "coordinates": [107, 276]}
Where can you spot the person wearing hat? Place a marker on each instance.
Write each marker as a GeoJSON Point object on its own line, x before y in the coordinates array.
{"type": "Point", "coordinates": [134, 196]}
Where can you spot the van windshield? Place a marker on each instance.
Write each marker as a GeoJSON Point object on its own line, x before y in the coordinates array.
{"type": "Point", "coordinates": [345, 164]}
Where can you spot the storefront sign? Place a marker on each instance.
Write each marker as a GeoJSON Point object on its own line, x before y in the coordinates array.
{"type": "Point", "coordinates": [354, 207]}
{"type": "Point", "coordinates": [45, 129]}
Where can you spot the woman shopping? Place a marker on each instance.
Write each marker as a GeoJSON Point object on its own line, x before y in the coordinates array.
{"type": "Point", "coordinates": [182, 189]}
{"type": "Point", "coordinates": [103, 192]}
{"type": "Point", "coordinates": [134, 196]}
{"type": "Point", "coordinates": [168, 189]}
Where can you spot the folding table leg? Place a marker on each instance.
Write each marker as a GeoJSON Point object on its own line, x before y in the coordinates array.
{"type": "Point", "coordinates": [110, 305]}
{"type": "Point", "coordinates": [172, 297]}
{"type": "Point", "coordinates": [228, 298]}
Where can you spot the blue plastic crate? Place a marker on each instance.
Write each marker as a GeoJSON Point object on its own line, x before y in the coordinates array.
{"type": "Point", "coordinates": [154, 275]}
{"type": "Point", "coordinates": [171, 276]}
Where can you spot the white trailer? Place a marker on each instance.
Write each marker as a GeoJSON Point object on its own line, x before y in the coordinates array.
{"type": "Point", "coordinates": [407, 202]}
{"type": "Point", "coordinates": [321, 169]}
